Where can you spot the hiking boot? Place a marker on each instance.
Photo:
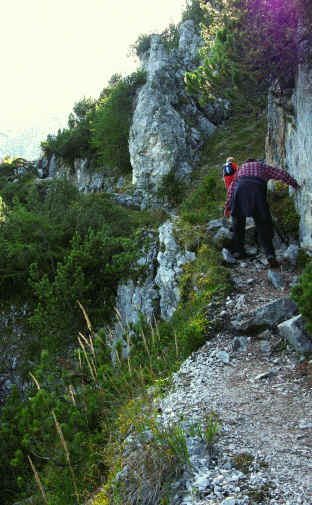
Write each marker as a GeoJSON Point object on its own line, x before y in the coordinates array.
{"type": "Point", "coordinates": [273, 262]}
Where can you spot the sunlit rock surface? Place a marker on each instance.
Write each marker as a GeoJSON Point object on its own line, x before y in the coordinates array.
{"type": "Point", "coordinates": [289, 143]}
{"type": "Point", "coordinates": [168, 129]}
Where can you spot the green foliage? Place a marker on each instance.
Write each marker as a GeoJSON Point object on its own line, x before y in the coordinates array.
{"type": "Point", "coordinates": [74, 141]}
{"type": "Point", "coordinates": [284, 211]}
{"type": "Point", "coordinates": [141, 45]}
{"type": "Point", "coordinates": [89, 273]}
{"type": "Point", "coordinates": [211, 429]}
{"type": "Point", "coordinates": [99, 129]}
{"type": "Point", "coordinates": [6, 166]}
{"type": "Point", "coordinates": [194, 10]}
{"type": "Point", "coordinates": [70, 246]}
{"type": "Point", "coordinates": [302, 295]}
{"type": "Point", "coordinates": [28, 427]}
{"type": "Point", "coordinates": [111, 124]}
{"type": "Point", "coordinates": [171, 189]}
{"type": "Point", "coordinates": [170, 37]}
{"type": "Point", "coordinates": [203, 203]}
{"type": "Point", "coordinates": [241, 60]}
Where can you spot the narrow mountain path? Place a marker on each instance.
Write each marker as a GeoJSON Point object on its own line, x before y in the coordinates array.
{"type": "Point", "coordinates": [261, 390]}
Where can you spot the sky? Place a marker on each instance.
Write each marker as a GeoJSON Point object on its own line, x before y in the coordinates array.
{"type": "Point", "coordinates": [54, 52]}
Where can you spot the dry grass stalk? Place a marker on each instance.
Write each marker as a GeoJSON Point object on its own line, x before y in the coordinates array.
{"type": "Point", "coordinates": [38, 481]}
{"type": "Point", "coordinates": [84, 338]}
{"type": "Point", "coordinates": [176, 344]}
{"type": "Point", "coordinates": [88, 342]}
{"type": "Point", "coordinates": [86, 317]}
{"type": "Point", "coordinates": [152, 332]}
{"type": "Point", "coordinates": [145, 344]}
{"type": "Point", "coordinates": [128, 358]}
{"type": "Point", "coordinates": [141, 376]}
{"type": "Point", "coordinates": [117, 356]}
{"type": "Point", "coordinates": [71, 394]}
{"type": "Point", "coordinates": [35, 380]}
{"type": "Point", "coordinates": [79, 358]}
{"type": "Point", "coordinates": [118, 314]}
{"type": "Point", "coordinates": [63, 441]}
{"type": "Point", "coordinates": [93, 370]}
{"type": "Point", "coordinates": [157, 330]}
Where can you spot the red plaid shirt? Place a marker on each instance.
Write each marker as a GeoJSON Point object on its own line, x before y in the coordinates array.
{"type": "Point", "coordinates": [258, 169]}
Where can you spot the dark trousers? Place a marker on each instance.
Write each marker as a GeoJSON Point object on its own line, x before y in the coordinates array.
{"type": "Point", "coordinates": [264, 230]}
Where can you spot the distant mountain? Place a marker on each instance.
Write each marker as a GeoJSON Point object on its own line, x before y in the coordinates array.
{"type": "Point", "coordinates": [24, 141]}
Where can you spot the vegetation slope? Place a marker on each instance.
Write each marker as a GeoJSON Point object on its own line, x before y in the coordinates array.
{"type": "Point", "coordinates": [64, 253]}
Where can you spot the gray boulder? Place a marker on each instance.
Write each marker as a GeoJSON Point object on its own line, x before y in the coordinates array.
{"type": "Point", "coordinates": [267, 316]}
{"type": "Point", "coordinates": [223, 238]}
{"type": "Point", "coordinates": [276, 280]}
{"type": "Point", "coordinates": [295, 334]}
{"type": "Point", "coordinates": [291, 254]}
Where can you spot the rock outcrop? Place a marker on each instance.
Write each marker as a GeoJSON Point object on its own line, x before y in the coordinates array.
{"type": "Point", "coordinates": [168, 127]}
{"type": "Point", "coordinates": [288, 143]}
{"type": "Point", "coordinates": [86, 180]}
{"type": "Point", "coordinates": [171, 259]}
{"type": "Point", "coordinates": [158, 293]}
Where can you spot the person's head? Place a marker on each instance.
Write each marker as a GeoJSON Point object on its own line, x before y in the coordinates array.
{"type": "Point", "coordinates": [250, 160]}
{"type": "Point", "coordinates": [230, 159]}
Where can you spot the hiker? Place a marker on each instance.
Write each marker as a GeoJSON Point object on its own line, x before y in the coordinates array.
{"type": "Point", "coordinates": [247, 197]}
{"type": "Point", "coordinates": [229, 170]}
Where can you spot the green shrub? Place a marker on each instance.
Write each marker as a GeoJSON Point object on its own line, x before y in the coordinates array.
{"type": "Point", "coordinates": [141, 45]}
{"type": "Point", "coordinates": [170, 37]}
{"type": "Point", "coordinates": [302, 295]}
{"type": "Point", "coordinates": [194, 11]}
{"type": "Point", "coordinates": [284, 211]}
{"type": "Point", "coordinates": [90, 272]}
{"type": "Point", "coordinates": [171, 189]}
{"type": "Point", "coordinates": [203, 203]}
{"type": "Point", "coordinates": [111, 124]}
{"type": "Point", "coordinates": [74, 141]}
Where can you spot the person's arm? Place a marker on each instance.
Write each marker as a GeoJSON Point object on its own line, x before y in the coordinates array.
{"type": "Point", "coordinates": [230, 193]}
{"type": "Point", "coordinates": [282, 175]}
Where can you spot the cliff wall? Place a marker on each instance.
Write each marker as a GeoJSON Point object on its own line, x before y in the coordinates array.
{"type": "Point", "coordinates": [288, 142]}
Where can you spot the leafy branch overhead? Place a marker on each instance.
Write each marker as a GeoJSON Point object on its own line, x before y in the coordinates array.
{"type": "Point", "coordinates": [248, 45]}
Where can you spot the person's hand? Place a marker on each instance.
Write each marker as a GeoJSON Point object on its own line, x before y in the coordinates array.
{"type": "Point", "coordinates": [227, 212]}
{"type": "Point", "coordinates": [300, 186]}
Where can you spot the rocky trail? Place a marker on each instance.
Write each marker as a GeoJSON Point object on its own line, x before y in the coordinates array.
{"type": "Point", "coordinates": [259, 386]}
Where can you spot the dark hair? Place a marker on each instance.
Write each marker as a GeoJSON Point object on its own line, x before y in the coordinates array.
{"type": "Point", "coordinates": [249, 160]}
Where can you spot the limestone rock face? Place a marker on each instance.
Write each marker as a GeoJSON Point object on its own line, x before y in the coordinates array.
{"type": "Point", "coordinates": [14, 339]}
{"type": "Point", "coordinates": [158, 292]}
{"type": "Point", "coordinates": [171, 259]}
{"type": "Point", "coordinates": [135, 299]}
{"type": "Point", "coordinates": [87, 180]}
{"type": "Point", "coordinates": [288, 143]}
{"type": "Point", "coordinates": [167, 130]}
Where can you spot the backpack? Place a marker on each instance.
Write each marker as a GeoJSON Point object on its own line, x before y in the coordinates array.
{"type": "Point", "coordinates": [228, 169]}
